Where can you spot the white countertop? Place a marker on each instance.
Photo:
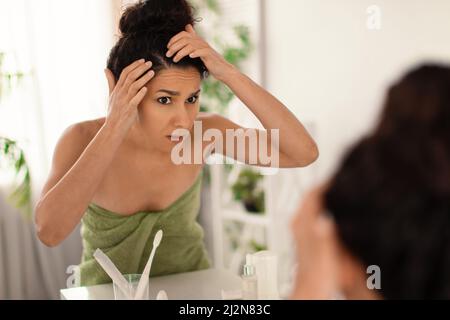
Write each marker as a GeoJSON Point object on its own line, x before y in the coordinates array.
{"type": "Point", "coordinates": [199, 285]}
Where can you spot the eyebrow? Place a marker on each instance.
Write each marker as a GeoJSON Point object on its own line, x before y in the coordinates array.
{"type": "Point", "coordinates": [175, 93]}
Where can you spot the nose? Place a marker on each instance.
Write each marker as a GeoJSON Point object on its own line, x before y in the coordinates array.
{"type": "Point", "coordinates": [181, 118]}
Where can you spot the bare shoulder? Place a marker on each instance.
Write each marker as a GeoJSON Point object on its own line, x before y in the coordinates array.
{"type": "Point", "coordinates": [76, 138]}
{"type": "Point", "coordinates": [69, 147]}
{"type": "Point", "coordinates": [86, 129]}
{"type": "Point", "coordinates": [82, 132]}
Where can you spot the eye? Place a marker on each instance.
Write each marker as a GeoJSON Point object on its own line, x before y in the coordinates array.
{"type": "Point", "coordinates": [192, 99]}
{"type": "Point", "coordinates": [164, 100]}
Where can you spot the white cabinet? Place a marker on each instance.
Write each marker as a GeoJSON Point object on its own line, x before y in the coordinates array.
{"type": "Point", "coordinates": [271, 229]}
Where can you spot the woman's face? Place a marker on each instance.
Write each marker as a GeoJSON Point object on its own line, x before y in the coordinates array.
{"type": "Point", "coordinates": [171, 102]}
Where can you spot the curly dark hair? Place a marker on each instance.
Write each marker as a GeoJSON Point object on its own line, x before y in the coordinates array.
{"type": "Point", "coordinates": [146, 28]}
{"type": "Point", "coordinates": [391, 195]}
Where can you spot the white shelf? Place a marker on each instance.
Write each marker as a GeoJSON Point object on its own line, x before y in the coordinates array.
{"type": "Point", "coordinates": [243, 216]}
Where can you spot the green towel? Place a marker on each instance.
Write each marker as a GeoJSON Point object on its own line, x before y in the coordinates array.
{"type": "Point", "coordinates": [128, 241]}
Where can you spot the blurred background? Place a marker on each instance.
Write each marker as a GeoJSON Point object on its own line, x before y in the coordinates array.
{"type": "Point", "coordinates": [329, 61]}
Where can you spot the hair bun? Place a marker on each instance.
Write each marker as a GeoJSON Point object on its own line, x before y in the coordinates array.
{"type": "Point", "coordinates": [156, 16]}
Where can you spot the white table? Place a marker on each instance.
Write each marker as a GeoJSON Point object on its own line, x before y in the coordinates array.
{"type": "Point", "coordinates": [199, 285]}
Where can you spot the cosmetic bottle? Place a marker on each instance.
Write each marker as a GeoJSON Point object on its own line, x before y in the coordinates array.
{"type": "Point", "coordinates": [265, 264]}
{"type": "Point", "coordinates": [249, 281]}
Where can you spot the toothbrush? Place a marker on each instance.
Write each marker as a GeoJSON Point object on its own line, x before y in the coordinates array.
{"type": "Point", "coordinates": [112, 271]}
{"type": "Point", "coordinates": [146, 273]}
{"type": "Point", "coordinates": [162, 295]}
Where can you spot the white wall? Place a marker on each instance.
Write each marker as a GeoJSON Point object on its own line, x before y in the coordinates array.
{"type": "Point", "coordinates": [328, 67]}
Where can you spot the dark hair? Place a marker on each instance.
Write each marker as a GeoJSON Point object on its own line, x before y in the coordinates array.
{"type": "Point", "coordinates": [146, 28]}
{"type": "Point", "coordinates": [391, 195]}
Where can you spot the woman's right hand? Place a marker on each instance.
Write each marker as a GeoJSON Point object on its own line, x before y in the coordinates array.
{"type": "Point", "coordinates": [317, 242]}
{"type": "Point", "coordinates": [127, 94]}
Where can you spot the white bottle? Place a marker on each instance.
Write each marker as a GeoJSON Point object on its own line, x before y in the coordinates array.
{"type": "Point", "coordinates": [265, 263]}
{"type": "Point", "coordinates": [249, 281]}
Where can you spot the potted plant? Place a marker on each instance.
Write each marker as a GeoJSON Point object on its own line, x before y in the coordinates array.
{"type": "Point", "coordinates": [12, 156]}
{"type": "Point", "coordinates": [248, 189]}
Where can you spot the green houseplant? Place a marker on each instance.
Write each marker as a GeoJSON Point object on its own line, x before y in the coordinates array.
{"type": "Point", "coordinates": [12, 156]}
{"type": "Point", "coordinates": [249, 191]}
{"type": "Point", "coordinates": [216, 96]}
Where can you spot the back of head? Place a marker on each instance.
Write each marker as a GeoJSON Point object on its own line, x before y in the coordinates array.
{"type": "Point", "coordinates": [391, 195]}
{"type": "Point", "coordinates": [418, 104]}
{"type": "Point", "coordinates": [146, 28]}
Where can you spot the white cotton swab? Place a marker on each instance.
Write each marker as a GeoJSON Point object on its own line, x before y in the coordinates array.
{"type": "Point", "coordinates": [146, 273]}
{"type": "Point", "coordinates": [112, 271]}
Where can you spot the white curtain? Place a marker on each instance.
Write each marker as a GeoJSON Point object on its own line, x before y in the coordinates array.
{"type": "Point", "coordinates": [62, 47]}
{"type": "Point", "coordinates": [29, 270]}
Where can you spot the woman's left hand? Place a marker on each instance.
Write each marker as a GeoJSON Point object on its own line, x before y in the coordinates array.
{"type": "Point", "coordinates": [188, 43]}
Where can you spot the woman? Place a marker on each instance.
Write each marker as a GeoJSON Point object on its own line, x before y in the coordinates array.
{"type": "Point", "coordinates": [116, 174]}
{"type": "Point", "coordinates": [390, 204]}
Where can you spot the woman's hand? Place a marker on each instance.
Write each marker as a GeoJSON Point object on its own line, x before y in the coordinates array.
{"type": "Point", "coordinates": [188, 43]}
{"type": "Point", "coordinates": [316, 242]}
{"type": "Point", "coordinates": [127, 94]}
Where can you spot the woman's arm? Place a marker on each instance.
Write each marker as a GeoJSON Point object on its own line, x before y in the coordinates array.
{"type": "Point", "coordinates": [74, 178]}
{"type": "Point", "coordinates": [77, 169]}
{"type": "Point", "coordinates": [295, 145]}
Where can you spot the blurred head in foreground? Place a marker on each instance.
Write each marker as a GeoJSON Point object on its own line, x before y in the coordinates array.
{"type": "Point", "coordinates": [388, 204]}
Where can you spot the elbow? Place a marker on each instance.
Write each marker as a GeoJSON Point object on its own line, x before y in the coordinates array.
{"type": "Point", "coordinates": [47, 238]}
{"type": "Point", "coordinates": [314, 153]}
{"type": "Point", "coordinates": [44, 230]}
{"type": "Point", "coordinates": [310, 155]}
